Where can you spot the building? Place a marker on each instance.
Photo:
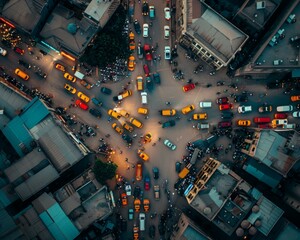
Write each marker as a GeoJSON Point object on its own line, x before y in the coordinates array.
{"type": "Point", "coordinates": [187, 229]}
{"type": "Point", "coordinates": [208, 35]}
{"type": "Point", "coordinates": [230, 203]}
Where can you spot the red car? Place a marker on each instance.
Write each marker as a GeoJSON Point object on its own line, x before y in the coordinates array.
{"type": "Point", "coordinates": [19, 50]}
{"type": "Point", "coordinates": [222, 100]}
{"type": "Point", "coordinates": [147, 184]}
{"type": "Point", "coordinates": [148, 52]}
{"type": "Point", "coordinates": [280, 116]}
{"type": "Point", "coordinates": [146, 70]}
{"type": "Point", "coordinates": [81, 104]}
{"type": "Point", "coordinates": [225, 106]}
{"type": "Point", "coordinates": [224, 124]}
{"type": "Point", "coordinates": [188, 87]}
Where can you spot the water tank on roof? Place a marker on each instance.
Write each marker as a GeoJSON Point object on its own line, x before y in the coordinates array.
{"type": "Point", "coordinates": [72, 28]}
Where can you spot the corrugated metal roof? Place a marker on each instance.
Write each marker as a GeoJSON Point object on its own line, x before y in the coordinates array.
{"type": "Point", "coordinates": [34, 112]}
{"type": "Point", "coordinates": [58, 223]}
{"type": "Point", "coordinates": [18, 135]}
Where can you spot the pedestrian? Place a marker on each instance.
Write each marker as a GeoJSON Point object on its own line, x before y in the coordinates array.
{"type": "Point", "coordinates": [126, 159]}
{"type": "Point", "coordinates": [159, 139]}
{"type": "Point", "coordinates": [133, 166]}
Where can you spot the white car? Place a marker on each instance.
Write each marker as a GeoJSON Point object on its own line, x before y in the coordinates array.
{"type": "Point", "coordinates": [244, 109]}
{"type": "Point", "coordinates": [145, 30]}
{"type": "Point", "coordinates": [128, 190]}
{"type": "Point", "coordinates": [166, 32]}
{"type": "Point", "coordinates": [169, 144]}
{"type": "Point", "coordinates": [296, 114]}
{"type": "Point", "coordinates": [167, 52]}
{"type": "Point", "coordinates": [144, 97]}
{"type": "Point", "coordinates": [167, 13]}
{"type": "Point", "coordinates": [3, 52]}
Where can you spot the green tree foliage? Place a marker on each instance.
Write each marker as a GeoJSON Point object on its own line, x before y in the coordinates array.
{"type": "Point", "coordinates": [110, 42]}
{"type": "Point", "coordinates": [104, 171]}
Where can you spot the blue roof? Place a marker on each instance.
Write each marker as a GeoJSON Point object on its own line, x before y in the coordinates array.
{"type": "Point", "coordinates": [58, 223]}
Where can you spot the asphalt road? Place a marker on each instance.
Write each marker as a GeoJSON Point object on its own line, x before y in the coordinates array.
{"type": "Point", "coordinates": [169, 90]}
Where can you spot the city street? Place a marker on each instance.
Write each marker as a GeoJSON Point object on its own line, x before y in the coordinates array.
{"type": "Point", "coordinates": [170, 90]}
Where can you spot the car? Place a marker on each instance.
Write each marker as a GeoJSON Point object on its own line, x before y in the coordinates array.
{"type": "Point", "coordinates": [274, 85]}
{"type": "Point", "coordinates": [131, 45]}
{"type": "Point", "coordinates": [143, 111]}
{"type": "Point", "coordinates": [19, 50]}
{"type": "Point", "coordinates": [114, 114]}
{"type": "Point", "coordinates": [295, 98]}
{"type": "Point", "coordinates": [155, 171]}
{"type": "Point", "coordinates": [70, 88]}
{"type": "Point", "coordinates": [81, 104]}
{"type": "Point", "coordinates": [244, 109]}
{"type": "Point", "coordinates": [85, 84]}
{"type": "Point", "coordinates": [146, 70]}
{"type": "Point", "coordinates": [226, 115]}
{"type": "Point", "coordinates": [152, 12]}
{"type": "Point", "coordinates": [156, 191]}
{"type": "Point", "coordinates": [147, 183]}
{"type": "Point", "coordinates": [199, 116]}
{"type": "Point", "coordinates": [241, 98]}
{"type": "Point", "coordinates": [167, 52]}
{"type": "Point", "coordinates": [127, 127]}
{"type": "Point", "coordinates": [167, 112]}
{"type": "Point", "coordinates": [105, 90]}
{"type": "Point", "coordinates": [265, 108]}
{"type": "Point", "coordinates": [3, 52]}
{"type": "Point", "coordinates": [156, 78]}
{"type": "Point", "coordinates": [130, 214]}
{"type": "Point", "coordinates": [166, 32]}
{"type": "Point", "coordinates": [245, 123]}
{"type": "Point", "coordinates": [125, 94]}
{"type": "Point", "coordinates": [60, 110]}
{"type": "Point", "coordinates": [224, 124]}
{"type": "Point", "coordinates": [25, 64]}
{"type": "Point", "coordinates": [139, 83]}
{"type": "Point", "coordinates": [118, 129]}
{"type": "Point", "coordinates": [188, 87]}
{"type": "Point", "coordinates": [170, 123]}
{"type": "Point", "coordinates": [131, 63]}
{"type": "Point", "coordinates": [124, 199]}
{"type": "Point", "coordinates": [136, 122]}
{"type": "Point", "coordinates": [137, 205]}
{"type": "Point", "coordinates": [145, 9]}
{"type": "Point", "coordinates": [147, 137]}
{"type": "Point", "coordinates": [41, 74]}
{"type": "Point", "coordinates": [169, 144]}
{"type": "Point", "coordinates": [222, 100]}
{"type": "Point", "coordinates": [144, 96]}
{"type": "Point", "coordinates": [279, 122]}
{"type": "Point", "coordinates": [127, 139]}
{"type": "Point", "coordinates": [95, 112]}
{"type": "Point", "coordinates": [83, 97]}
{"type": "Point", "coordinates": [142, 218]}
{"type": "Point", "coordinates": [148, 52]}
{"type": "Point", "coordinates": [137, 26]}
{"type": "Point", "coordinates": [128, 189]}
{"type": "Point", "coordinates": [146, 205]}
{"type": "Point", "coordinates": [149, 83]}
{"type": "Point", "coordinates": [188, 109]}
{"type": "Point", "coordinates": [97, 102]}
{"type": "Point", "coordinates": [280, 115]}
{"type": "Point", "coordinates": [145, 30]}
{"type": "Point", "coordinates": [167, 13]}
{"type": "Point", "coordinates": [178, 167]}
{"type": "Point", "coordinates": [69, 77]}
{"type": "Point", "coordinates": [135, 233]}
{"type": "Point", "coordinates": [60, 67]}
{"type": "Point", "coordinates": [137, 191]}
{"type": "Point", "coordinates": [296, 114]}
{"type": "Point", "coordinates": [225, 106]}
{"type": "Point", "coordinates": [124, 113]}
{"type": "Point", "coordinates": [143, 155]}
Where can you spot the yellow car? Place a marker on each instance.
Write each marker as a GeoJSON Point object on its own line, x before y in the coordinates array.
{"type": "Point", "coordinates": [60, 67]}
{"type": "Point", "coordinates": [279, 122]}
{"type": "Point", "coordinates": [245, 123]}
{"type": "Point", "coordinates": [199, 116]}
{"type": "Point", "coordinates": [114, 114]}
{"type": "Point", "coordinates": [124, 95]}
{"type": "Point", "coordinates": [147, 137]}
{"type": "Point", "coordinates": [146, 204]}
{"type": "Point", "coordinates": [143, 155]}
{"type": "Point", "coordinates": [128, 127]}
{"type": "Point", "coordinates": [117, 128]}
{"type": "Point", "coordinates": [137, 205]}
{"type": "Point", "coordinates": [131, 36]}
{"type": "Point", "coordinates": [124, 113]}
{"type": "Point", "coordinates": [188, 109]}
{"type": "Point", "coordinates": [85, 84]}
{"type": "Point", "coordinates": [136, 123]}
{"type": "Point", "coordinates": [70, 88]}
{"type": "Point", "coordinates": [83, 97]}
{"type": "Point", "coordinates": [295, 98]}
{"type": "Point", "coordinates": [139, 83]}
{"type": "Point", "coordinates": [131, 63]}
{"type": "Point", "coordinates": [143, 111]}
{"type": "Point", "coordinates": [69, 77]}
{"type": "Point", "coordinates": [168, 112]}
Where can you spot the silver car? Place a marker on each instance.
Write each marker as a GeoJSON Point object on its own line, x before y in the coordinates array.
{"type": "Point", "coordinates": [169, 144]}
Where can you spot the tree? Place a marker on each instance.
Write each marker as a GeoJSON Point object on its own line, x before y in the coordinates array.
{"type": "Point", "coordinates": [104, 171]}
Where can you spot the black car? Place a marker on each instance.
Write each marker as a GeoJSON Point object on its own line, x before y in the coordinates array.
{"type": "Point", "coordinates": [149, 84]}
{"type": "Point", "coordinates": [25, 64]}
{"type": "Point", "coordinates": [226, 115]}
{"type": "Point", "coordinates": [95, 112]}
{"type": "Point", "coordinates": [106, 90]}
{"type": "Point", "coordinates": [274, 85]}
{"type": "Point", "coordinates": [41, 74]}
{"type": "Point", "coordinates": [170, 123]}
{"type": "Point", "coordinates": [156, 78]}
{"type": "Point", "coordinates": [127, 138]}
{"type": "Point", "coordinates": [241, 98]}
{"type": "Point", "coordinates": [137, 26]}
{"type": "Point", "coordinates": [178, 167]}
{"type": "Point", "coordinates": [145, 9]}
{"type": "Point", "coordinates": [155, 171]}
{"type": "Point", "coordinates": [137, 191]}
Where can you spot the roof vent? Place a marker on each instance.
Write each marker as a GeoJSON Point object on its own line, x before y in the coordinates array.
{"type": "Point", "coordinates": [260, 5]}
